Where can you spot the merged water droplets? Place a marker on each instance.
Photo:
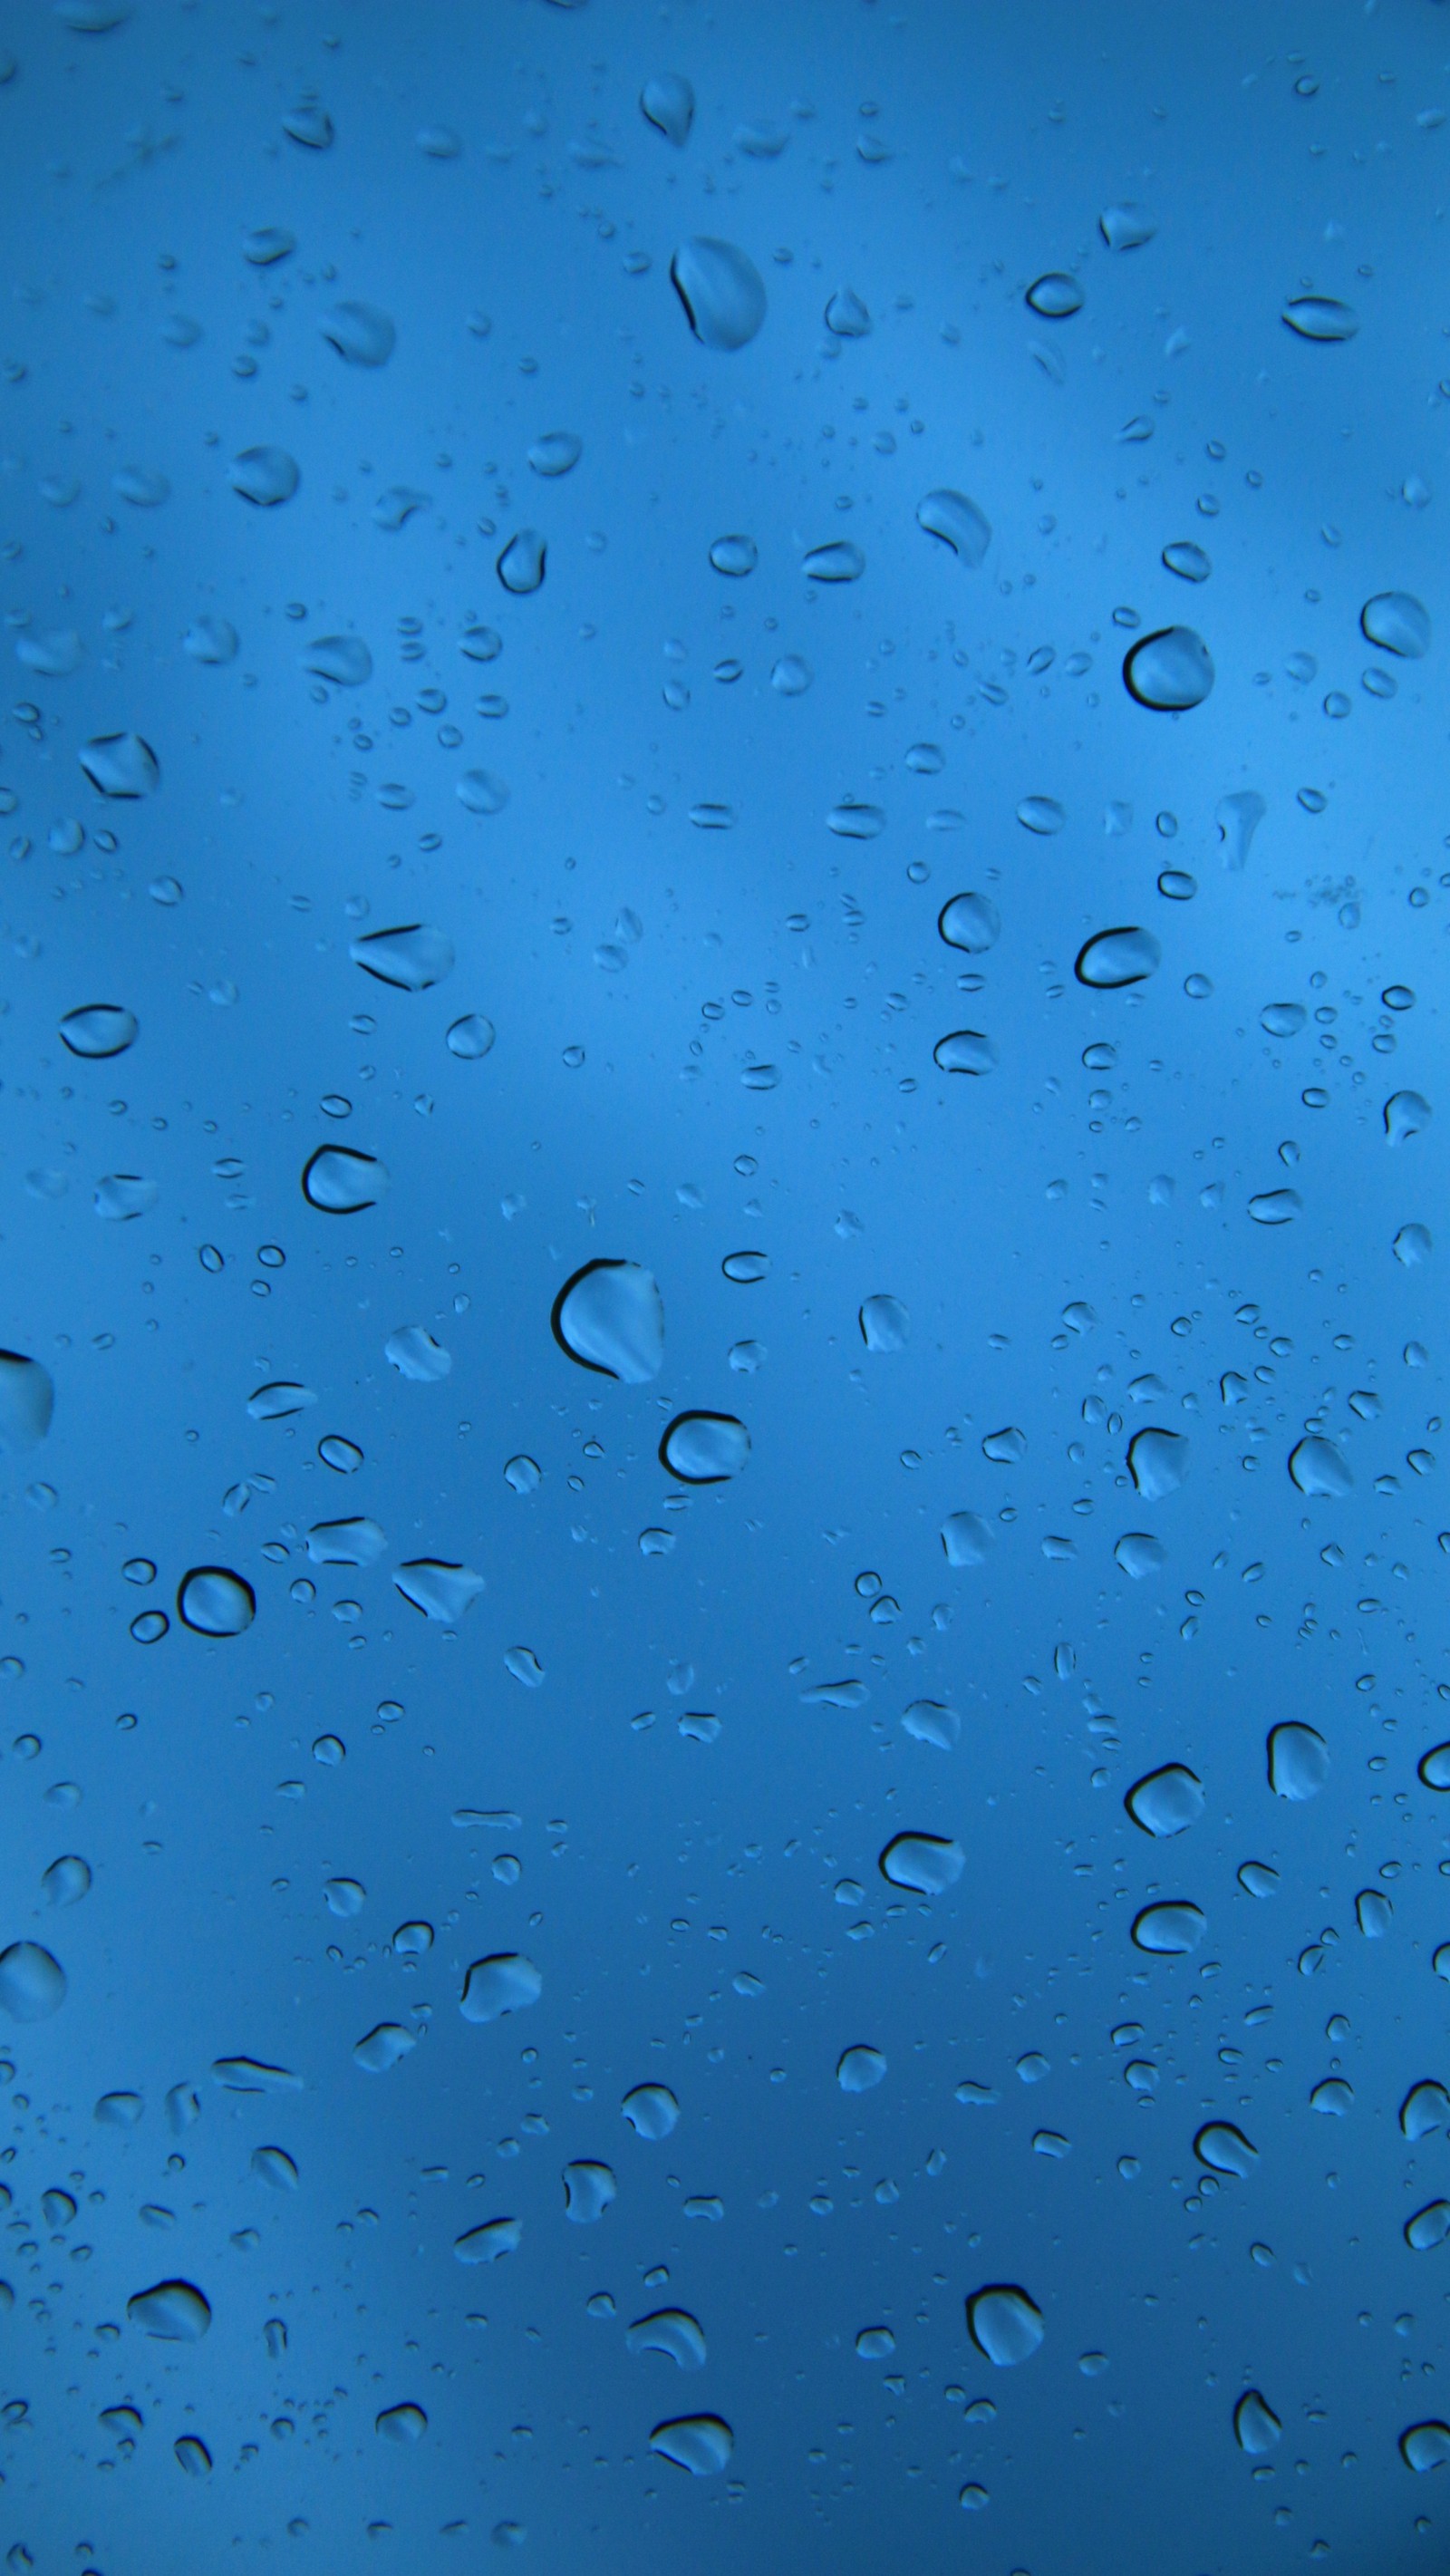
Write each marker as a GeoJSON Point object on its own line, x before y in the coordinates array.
{"type": "Point", "coordinates": [721, 290]}
{"type": "Point", "coordinates": [1225, 2149]}
{"type": "Point", "coordinates": [588, 2190]}
{"type": "Point", "coordinates": [1171, 670]}
{"type": "Point", "coordinates": [610, 1317]}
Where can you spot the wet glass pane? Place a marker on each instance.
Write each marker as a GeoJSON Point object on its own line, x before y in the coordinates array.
{"type": "Point", "coordinates": [723, 1745]}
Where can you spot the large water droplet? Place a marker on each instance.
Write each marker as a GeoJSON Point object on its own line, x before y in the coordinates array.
{"type": "Point", "coordinates": [700, 2443]}
{"type": "Point", "coordinates": [1434, 1767]}
{"type": "Point", "coordinates": [1115, 958]}
{"type": "Point", "coordinates": [1425, 2107]}
{"type": "Point", "coordinates": [966, 1538]}
{"type": "Point", "coordinates": [1171, 670]}
{"type": "Point", "coordinates": [651, 2110]}
{"type": "Point", "coordinates": [927, 1863]}
{"type": "Point", "coordinates": [965, 1051]}
{"type": "Point", "coordinates": [383, 2047]}
{"type": "Point", "coordinates": [265, 476]}
{"type": "Point", "coordinates": [1425, 2446]}
{"type": "Point", "coordinates": [860, 2070]}
{"type": "Point", "coordinates": [610, 1317]}
{"type": "Point", "coordinates": [216, 1602]}
{"type": "Point", "coordinates": [27, 1401]}
{"type": "Point", "coordinates": [1429, 2227]}
{"type": "Point", "coordinates": [588, 2190]}
{"type": "Point", "coordinates": [885, 1324]}
{"type": "Point", "coordinates": [847, 316]}
{"type": "Point", "coordinates": [959, 524]}
{"type": "Point", "coordinates": [173, 2311]}
{"type": "Point", "coordinates": [1225, 2149]}
{"type": "Point", "coordinates": [415, 1355]}
{"type": "Point", "coordinates": [343, 659]}
{"type": "Point", "coordinates": [1126, 227]}
{"type": "Point", "coordinates": [32, 1983]}
{"type": "Point", "coordinates": [1005, 2324]}
{"type": "Point", "coordinates": [1320, 317]}
{"type": "Point", "coordinates": [669, 104]}
{"type": "Point", "coordinates": [929, 1721]}
{"type": "Point", "coordinates": [412, 957]}
{"type": "Point", "coordinates": [442, 1591]}
{"type": "Point", "coordinates": [556, 453]}
{"type": "Point", "coordinates": [52, 656]}
{"type": "Point", "coordinates": [121, 765]}
{"type": "Point", "coordinates": [67, 1880]}
{"type": "Point", "coordinates": [721, 290]}
{"type": "Point", "coordinates": [1398, 622]}
{"type": "Point", "coordinates": [705, 1448]}
{"type": "Point", "coordinates": [346, 1542]}
{"type": "Point", "coordinates": [1275, 1207]}
{"type": "Point", "coordinates": [360, 334]}
{"type": "Point", "coordinates": [671, 2331]}
{"type": "Point", "coordinates": [1169, 1931]}
{"type": "Point", "coordinates": [1157, 1462]}
{"type": "Point", "coordinates": [1298, 1761]}
{"type": "Point", "coordinates": [99, 1029]}
{"type": "Point", "coordinates": [277, 1400]}
{"type": "Point", "coordinates": [1187, 560]}
{"type": "Point", "coordinates": [213, 641]}
{"type": "Point", "coordinates": [1167, 1801]}
{"type": "Point", "coordinates": [341, 1182]}
{"type": "Point", "coordinates": [1256, 2427]}
{"type": "Point", "coordinates": [1056, 296]}
{"type": "Point", "coordinates": [273, 2165]}
{"type": "Point", "coordinates": [123, 1195]}
{"type": "Point", "coordinates": [1407, 1114]}
{"type": "Point", "coordinates": [503, 1983]}
{"type": "Point", "coordinates": [971, 922]}
{"type": "Point", "coordinates": [1318, 1467]}
{"type": "Point", "coordinates": [401, 2423]}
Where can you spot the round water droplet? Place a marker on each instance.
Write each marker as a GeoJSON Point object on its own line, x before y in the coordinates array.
{"type": "Point", "coordinates": [1115, 958]}
{"type": "Point", "coordinates": [1320, 317]}
{"type": "Point", "coordinates": [970, 922]}
{"type": "Point", "coordinates": [504, 1983]}
{"type": "Point", "coordinates": [651, 2110]}
{"type": "Point", "coordinates": [1256, 2427]}
{"type": "Point", "coordinates": [343, 1456]}
{"type": "Point", "coordinates": [1187, 560]}
{"type": "Point", "coordinates": [1126, 227]}
{"type": "Point", "coordinates": [1169, 1931]}
{"type": "Point", "coordinates": [1398, 622]}
{"type": "Point", "coordinates": [839, 561]}
{"type": "Point", "coordinates": [1225, 2149]}
{"type": "Point", "coordinates": [669, 104]}
{"type": "Point", "coordinates": [173, 2311]}
{"type": "Point", "coordinates": [965, 1051]}
{"type": "Point", "coordinates": [27, 1402]}
{"type": "Point", "coordinates": [470, 1038]}
{"type": "Point", "coordinates": [958, 523]}
{"type": "Point", "coordinates": [721, 290]}
{"type": "Point", "coordinates": [480, 643]}
{"type": "Point", "coordinates": [521, 564]}
{"type": "Point", "coordinates": [588, 2190]}
{"type": "Point", "coordinates": [340, 1182]}
{"type": "Point", "coordinates": [1318, 1467]}
{"type": "Point", "coordinates": [1055, 296]}
{"type": "Point", "coordinates": [1425, 2446]}
{"type": "Point", "coordinates": [700, 2443]}
{"type": "Point", "coordinates": [1298, 1762]}
{"type": "Point", "coordinates": [1042, 815]}
{"type": "Point", "coordinates": [1171, 670]}
{"type": "Point", "coordinates": [705, 1448]}
{"type": "Point", "coordinates": [610, 1317]}
{"type": "Point", "coordinates": [32, 1983]}
{"type": "Point", "coordinates": [927, 1863]}
{"type": "Point", "coordinates": [1166, 1802]}
{"type": "Point", "coordinates": [966, 1538]}
{"type": "Point", "coordinates": [265, 476]}
{"type": "Point", "coordinates": [121, 766]}
{"type": "Point", "coordinates": [556, 453]}
{"type": "Point", "coordinates": [672, 2332]}
{"type": "Point", "coordinates": [216, 1602]}
{"type": "Point", "coordinates": [1005, 2324]}
{"type": "Point", "coordinates": [860, 2070]}
{"type": "Point", "coordinates": [1157, 1462]}
{"type": "Point", "coordinates": [885, 1324]}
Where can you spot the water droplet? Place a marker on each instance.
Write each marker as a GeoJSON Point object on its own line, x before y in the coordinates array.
{"type": "Point", "coordinates": [443, 1592]}
{"type": "Point", "coordinates": [846, 1694]}
{"type": "Point", "coordinates": [53, 656]}
{"type": "Point", "coordinates": [1187, 560]}
{"type": "Point", "coordinates": [1425, 2446]}
{"type": "Point", "coordinates": [401, 2423]}
{"type": "Point", "coordinates": [847, 316]}
{"type": "Point", "coordinates": [415, 1355]}
{"type": "Point", "coordinates": [66, 1881]}
{"type": "Point", "coordinates": [746, 1268]}
{"type": "Point", "coordinates": [556, 453]}
{"type": "Point", "coordinates": [340, 1182]}
{"type": "Point", "coordinates": [1434, 1767]}
{"type": "Point", "coordinates": [610, 1317]}
{"type": "Point", "coordinates": [1298, 1760]}
{"type": "Point", "coordinates": [1320, 317]}
{"type": "Point", "coordinates": [1157, 1462]}
{"type": "Point", "coordinates": [859, 2070]}
{"type": "Point", "coordinates": [216, 1602]}
{"type": "Point", "coordinates": [671, 2331]}
{"type": "Point", "coordinates": [1115, 958]}
{"type": "Point", "coordinates": [412, 958]}
{"type": "Point", "coordinates": [470, 1038]}
{"type": "Point", "coordinates": [970, 922]}
{"type": "Point", "coordinates": [1282, 1019]}
{"type": "Point", "coordinates": [123, 1195]}
{"type": "Point", "coordinates": [1256, 2427]}
{"type": "Point", "coordinates": [344, 1897]}
{"type": "Point", "coordinates": [721, 290]}
{"type": "Point", "coordinates": [480, 643]}
{"type": "Point", "coordinates": [504, 1983]}
{"type": "Point", "coordinates": [839, 561]}
{"type": "Point", "coordinates": [966, 1538]}
{"type": "Point", "coordinates": [1275, 1207]}
{"type": "Point", "coordinates": [1429, 2227]}
{"type": "Point", "coordinates": [705, 1448]}
{"type": "Point", "coordinates": [1126, 227]}
{"type": "Point", "coordinates": [1042, 815]}
{"type": "Point", "coordinates": [965, 1051]}
{"type": "Point", "coordinates": [1056, 296]}
{"type": "Point", "coordinates": [958, 523]}
{"type": "Point", "coordinates": [360, 333]}
{"type": "Point", "coordinates": [274, 2166]}
{"type": "Point", "coordinates": [853, 821]}
{"type": "Point", "coordinates": [278, 1400]}
{"type": "Point", "coordinates": [343, 659]}
{"type": "Point", "coordinates": [1005, 2324]}
{"type": "Point", "coordinates": [700, 2443]}
{"type": "Point", "coordinates": [1225, 2149]}
{"type": "Point", "coordinates": [1407, 1113]}
{"type": "Point", "coordinates": [99, 1029]}
{"type": "Point", "coordinates": [119, 2110]}
{"type": "Point", "coordinates": [928, 1721]}
{"type": "Point", "coordinates": [1412, 1245]}
{"type": "Point", "coordinates": [927, 1863]}
{"type": "Point", "coordinates": [347, 1542]}
{"type": "Point", "coordinates": [521, 564]}
{"type": "Point", "coordinates": [1140, 1554]}
{"type": "Point", "coordinates": [651, 2110]}
{"type": "Point", "coordinates": [121, 765]}
{"type": "Point", "coordinates": [885, 1324]}
{"type": "Point", "coordinates": [735, 556]}
{"type": "Point", "coordinates": [1318, 1467]}
{"type": "Point", "coordinates": [27, 1401]}
{"type": "Point", "coordinates": [211, 640]}
{"type": "Point", "coordinates": [381, 2048]}
{"type": "Point", "coordinates": [1398, 622]}
{"type": "Point", "coordinates": [173, 2311]}
{"type": "Point", "coordinates": [1171, 670]}
{"type": "Point", "coordinates": [1169, 1931]}
{"type": "Point", "coordinates": [1167, 1801]}
{"type": "Point", "coordinates": [791, 676]}
{"type": "Point", "coordinates": [343, 1456]}
{"type": "Point", "coordinates": [588, 2190]}
{"type": "Point", "coordinates": [489, 2243]}
{"type": "Point", "coordinates": [1425, 2107]}
{"type": "Point", "coordinates": [32, 1983]}
{"type": "Point", "coordinates": [265, 476]}
{"type": "Point", "coordinates": [669, 104]}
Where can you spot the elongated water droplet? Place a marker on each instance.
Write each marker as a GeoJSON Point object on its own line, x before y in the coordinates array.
{"type": "Point", "coordinates": [838, 561]}
{"type": "Point", "coordinates": [491, 2242]}
{"type": "Point", "coordinates": [1320, 317]}
{"type": "Point", "coordinates": [521, 564]}
{"type": "Point", "coordinates": [66, 1881]}
{"type": "Point", "coordinates": [928, 1721]}
{"type": "Point", "coordinates": [705, 1448]}
{"type": "Point", "coordinates": [1256, 2427]}
{"type": "Point", "coordinates": [27, 1402]}
{"type": "Point", "coordinates": [340, 1182]}
{"type": "Point", "coordinates": [958, 523]}
{"type": "Point", "coordinates": [1225, 2149]}
{"type": "Point", "coordinates": [121, 766]}
{"type": "Point", "coordinates": [1115, 958]}
{"type": "Point", "coordinates": [172, 2311]}
{"type": "Point", "coordinates": [347, 1542]}
{"type": "Point", "coordinates": [275, 2167]}
{"type": "Point", "coordinates": [965, 1051]}
{"type": "Point", "coordinates": [1170, 1930]}
{"type": "Point", "coordinates": [721, 290]}
{"type": "Point", "coordinates": [671, 2331]}
{"type": "Point", "coordinates": [1187, 560]}
{"type": "Point", "coordinates": [412, 958]}
{"type": "Point", "coordinates": [927, 1863]}
{"type": "Point", "coordinates": [99, 1029]}
{"type": "Point", "coordinates": [669, 104]}
{"type": "Point", "coordinates": [443, 1592]}
{"type": "Point", "coordinates": [343, 659]}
